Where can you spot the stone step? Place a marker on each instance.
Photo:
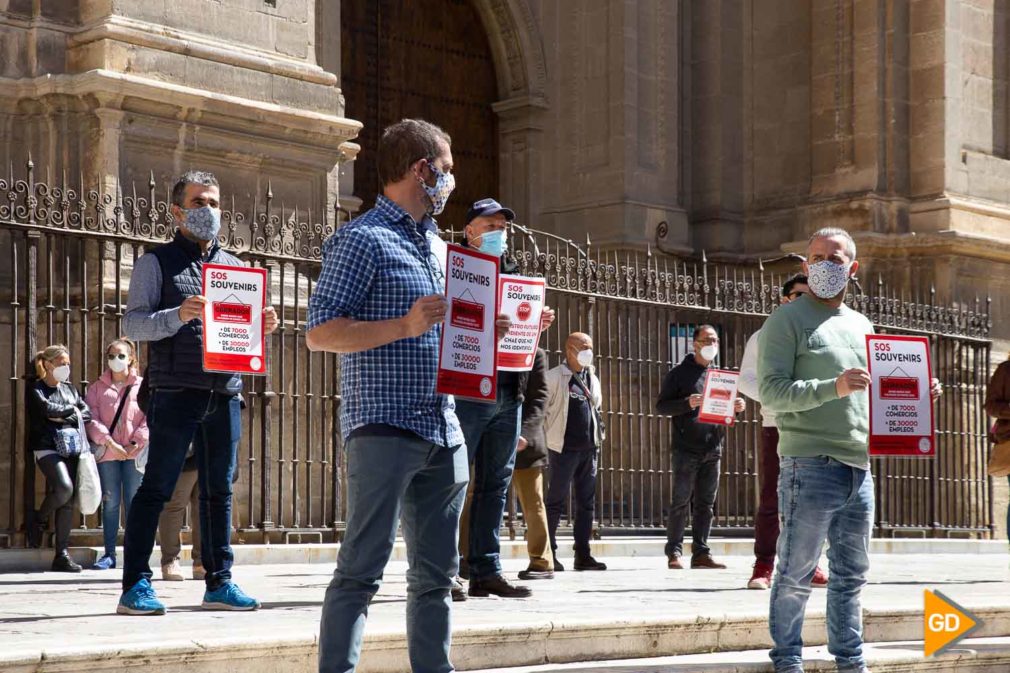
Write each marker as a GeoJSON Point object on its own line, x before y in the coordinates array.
{"type": "Point", "coordinates": [733, 643]}
{"type": "Point", "coordinates": [31, 560]}
{"type": "Point", "coordinates": [977, 655]}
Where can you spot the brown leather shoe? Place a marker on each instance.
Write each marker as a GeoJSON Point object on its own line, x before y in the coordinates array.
{"type": "Point", "coordinates": [497, 586]}
{"type": "Point", "coordinates": [706, 562]}
{"type": "Point", "coordinates": [673, 562]}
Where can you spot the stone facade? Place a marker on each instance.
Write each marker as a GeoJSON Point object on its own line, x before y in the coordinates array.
{"type": "Point", "coordinates": [735, 127]}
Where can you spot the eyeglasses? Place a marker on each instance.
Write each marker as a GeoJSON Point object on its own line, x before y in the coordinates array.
{"type": "Point", "coordinates": [795, 294]}
{"type": "Point", "coordinates": [113, 356]}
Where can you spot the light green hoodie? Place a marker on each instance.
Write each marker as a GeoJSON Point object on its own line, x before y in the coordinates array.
{"type": "Point", "coordinates": [803, 348]}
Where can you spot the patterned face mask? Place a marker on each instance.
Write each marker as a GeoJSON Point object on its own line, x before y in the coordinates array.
{"type": "Point", "coordinates": [204, 223]}
{"type": "Point", "coordinates": [439, 194]}
{"type": "Point", "coordinates": [828, 279]}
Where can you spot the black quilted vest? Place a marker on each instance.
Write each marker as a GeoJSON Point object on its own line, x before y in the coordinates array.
{"type": "Point", "coordinates": [177, 362]}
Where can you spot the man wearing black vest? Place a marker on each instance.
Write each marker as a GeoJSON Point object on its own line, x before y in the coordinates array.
{"type": "Point", "coordinates": [165, 307]}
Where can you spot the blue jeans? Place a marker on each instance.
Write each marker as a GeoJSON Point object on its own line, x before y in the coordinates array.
{"type": "Point", "coordinates": [821, 497]}
{"type": "Point", "coordinates": [568, 469]}
{"type": "Point", "coordinates": [176, 417]}
{"type": "Point", "coordinates": [420, 485]}
{"type": "Point", "coordinates": [491, 432]}
{"type": "Point", "coordinates": [120, 481]}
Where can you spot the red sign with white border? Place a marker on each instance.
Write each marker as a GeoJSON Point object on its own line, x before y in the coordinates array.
{"type": "Point", "coordinates": [233, 338]}
{"type": "Point", "coordinates": [719, 397]}
{"type": "Point", "coordinates": [522, 300]}
{"type": "Point", "coordinates": [468, 354]}
{"type": "Point", "coordinates": [901, 409]}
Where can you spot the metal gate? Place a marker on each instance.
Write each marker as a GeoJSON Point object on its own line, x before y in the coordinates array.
{"type": "Point", "coordinates": [69, 253]}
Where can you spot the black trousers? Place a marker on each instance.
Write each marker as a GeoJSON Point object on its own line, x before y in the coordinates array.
{"type": "Point", "coordinates": [60, 474]}
{"type": "Point", "coordinates": [696, 483]}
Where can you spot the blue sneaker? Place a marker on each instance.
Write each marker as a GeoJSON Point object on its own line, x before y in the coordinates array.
{"type": "Point", "coordinates": [105, 563]}
{"type": "Point", "coordinates": [140, 600]}
{"type": "Point", "coordinates": [228, 597]}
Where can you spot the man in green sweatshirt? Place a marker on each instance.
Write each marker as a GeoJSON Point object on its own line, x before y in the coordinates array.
{"type": "Point", "coordinates": [812, 375]}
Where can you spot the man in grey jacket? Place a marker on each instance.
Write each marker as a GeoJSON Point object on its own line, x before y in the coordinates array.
{"type": "Point", "coordinates": [574, 435]}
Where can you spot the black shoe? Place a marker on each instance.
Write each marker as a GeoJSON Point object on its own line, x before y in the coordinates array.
{"type": "Point", "coordinates": [534, 574]}
{"type": "Point", "coordinates": [497, 586]}
{"type": "Point", "coordinates": [464, 569]}
{"type": "Point", "coordinates": [62, 563]}
{"type": "Point", "coordinates": [458, 592]}
{"type": "Point", "coordinates": [558, 568]}
{"type": "Point", "coordinates": [35, 528]}
{"type": "Point", "coordinates": [587, 562]}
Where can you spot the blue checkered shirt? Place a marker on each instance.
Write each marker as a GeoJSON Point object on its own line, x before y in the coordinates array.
{"type": "Point", "coordinates": [374, 268]}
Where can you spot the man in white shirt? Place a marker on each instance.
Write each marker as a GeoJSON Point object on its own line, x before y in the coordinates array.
{"type": "Point", "coordinates": [766, 522]}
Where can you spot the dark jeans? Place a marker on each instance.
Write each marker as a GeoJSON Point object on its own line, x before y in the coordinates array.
{"type": "Point", "coordinates": [61, 475]}
{"type": "Point", "coordinates": [766, 523]}
{"type": "Point", "coordinates": [175, 417]}
{"type": "Point", "coordinates": [570, 468]}
{"type": "Point", "coordinates": [491, 432]}
{"type": "Point", "coordinates": [697, 475]}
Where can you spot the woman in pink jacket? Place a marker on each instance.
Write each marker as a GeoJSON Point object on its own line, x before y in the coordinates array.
{"type": "Point", "coordinates": [119, 436]}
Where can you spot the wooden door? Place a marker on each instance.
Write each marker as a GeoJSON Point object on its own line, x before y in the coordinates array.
{"type": "Point", "coordinates": [427, 59]}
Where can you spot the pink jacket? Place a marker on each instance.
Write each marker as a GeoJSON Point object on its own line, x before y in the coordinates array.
{"type": "Point", "coordinates": [103, 400]}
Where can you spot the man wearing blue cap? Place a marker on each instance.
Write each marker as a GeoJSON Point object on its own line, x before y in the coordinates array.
{"type": "Point", "coordinates": [491, 432]}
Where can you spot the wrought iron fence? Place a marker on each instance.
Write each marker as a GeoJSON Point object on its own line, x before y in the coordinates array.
{"type": "Point", "coordinates": [71, 250]}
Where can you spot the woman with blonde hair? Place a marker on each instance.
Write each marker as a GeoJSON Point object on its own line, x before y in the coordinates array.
{"type": "Point", "coordinates": [118, 431]}
{"type": "Point", "coordinates": [56, 417]}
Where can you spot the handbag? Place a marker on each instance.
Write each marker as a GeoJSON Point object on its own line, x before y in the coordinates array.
{"type": "Point", "coordinates": [89, 484]}
{"type": "Point", "coordinates": [69, 441]}
{"type": "Point", "coordinates": [98, 449]}
{"type": "Point", "coordinates": [999, 459]}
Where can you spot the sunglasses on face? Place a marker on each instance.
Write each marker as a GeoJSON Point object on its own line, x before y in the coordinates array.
{"type": "Point", "coordinates": [795, 294]}
{"type": "Point", "coordinates": [116, 356]}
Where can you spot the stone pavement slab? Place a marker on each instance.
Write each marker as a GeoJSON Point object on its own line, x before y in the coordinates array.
{"type": "Point", "coordinates": [637, 608]}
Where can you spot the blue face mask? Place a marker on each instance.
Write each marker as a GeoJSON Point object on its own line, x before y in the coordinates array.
{"type": "Point", "coordinates": [204, 223]}
{"type": "Point", "coordinates": [494, 243]}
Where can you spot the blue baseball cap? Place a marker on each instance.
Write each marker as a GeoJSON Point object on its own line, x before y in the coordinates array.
{"type": "Point", "coordinates": [486, 207]}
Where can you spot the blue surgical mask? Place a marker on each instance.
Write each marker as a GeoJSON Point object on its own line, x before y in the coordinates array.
{"type": "Point", "coordinates": [494, 243]}
{"type": "Point", "coordinates": [204, 223]}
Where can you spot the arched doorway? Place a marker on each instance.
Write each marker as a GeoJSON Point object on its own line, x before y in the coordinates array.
{"type": "Point", "coordinates": [428, 59]}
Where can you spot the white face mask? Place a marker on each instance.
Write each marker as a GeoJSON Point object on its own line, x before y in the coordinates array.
{"type": "Point", "coordinates": [585, 358]}
{"type": "Point", "coordinates": [62, 373]}
{"type": "Point", "coordinates": [828, 279]}
{"type": "Point", "coordinates": [710, 352]}
{"type": "Point", "coordinates": [117, 365]}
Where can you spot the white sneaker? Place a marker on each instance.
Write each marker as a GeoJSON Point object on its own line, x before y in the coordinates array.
{"type": "Point", "coordinates": [172, 572]}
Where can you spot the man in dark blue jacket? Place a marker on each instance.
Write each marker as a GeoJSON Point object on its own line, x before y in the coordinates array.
{"type": "Point", "coordinates": [165, 308]}
{"type": "Point", "coordinates": [697, 450]}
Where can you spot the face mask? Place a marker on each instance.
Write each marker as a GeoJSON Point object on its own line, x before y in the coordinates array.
{"type": "Point", "coordinates": [439, 194]}
{"type": "Point", "coordinates": [204, 223]}
{"type": "Point", "coordinates": [710, 352]}
{"type": "Point", "coordinates": [62, 373]}
{"type": "Point", "coordinates": [584, 358]}
{"type": "Point", "coordinates": [827, 279]}
{"type": "Point", "coordinates": [117, 365]}
{"type": "Point", "coordinates": [494, 243]}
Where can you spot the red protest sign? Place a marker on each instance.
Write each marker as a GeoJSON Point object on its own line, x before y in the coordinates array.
{"type": "Point", "coordinates": [233, 338]}
{"type": "Point", "coordinates": [901, 410]}
{"type": "Point", "coordinates": [718, 397]}
{"type": "Point", "coordinates": [467, 355]}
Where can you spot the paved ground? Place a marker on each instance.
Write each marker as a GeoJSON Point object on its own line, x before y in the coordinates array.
{"type": "Point", "coordinates": [40, 609]}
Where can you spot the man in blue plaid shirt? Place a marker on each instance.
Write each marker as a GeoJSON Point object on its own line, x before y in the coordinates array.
{"type": "Point", "coordinates": [380, 303]}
